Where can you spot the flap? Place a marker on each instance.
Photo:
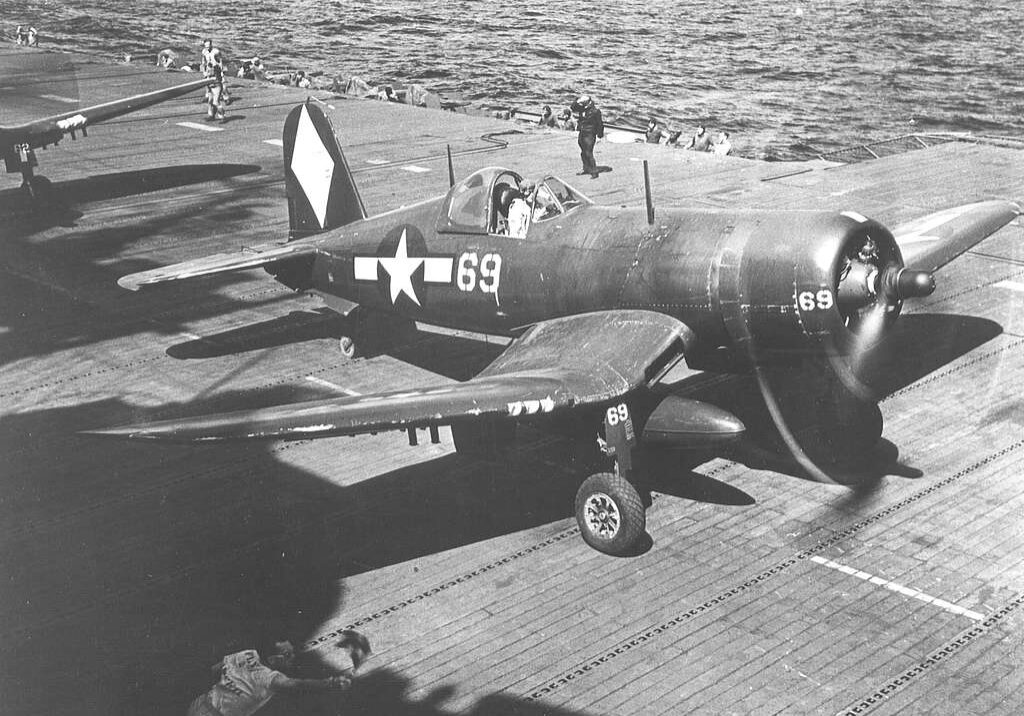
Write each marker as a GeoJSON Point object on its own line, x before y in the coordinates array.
{"type": "Point", "coordinates": [555, 365]}
{"type": "Point", "coordinates": [932, 241]}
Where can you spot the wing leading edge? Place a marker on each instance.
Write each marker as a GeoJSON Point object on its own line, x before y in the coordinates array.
{"type": "Point", "coordinates": [932, 241]}
{"type": "Point", "coordinates": [556, 365]}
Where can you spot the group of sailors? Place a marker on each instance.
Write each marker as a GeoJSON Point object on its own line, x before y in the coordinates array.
{"type": "Point", "coordinates": [27, 36]}
{"type": "Point", "coordinates": [655, 133]}
{"type": "Point", "coordinates": [701, 141]}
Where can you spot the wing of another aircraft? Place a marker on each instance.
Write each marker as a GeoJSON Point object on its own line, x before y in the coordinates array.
{"type": "Point", "coordinates": [50, 129]}
{"type": "Point", "coordinates": [555, 365]}
{"type": "Point", "coordinates": [932, 241]}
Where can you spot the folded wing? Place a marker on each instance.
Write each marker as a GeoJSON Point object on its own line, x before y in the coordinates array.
{"type": "Point", "coordinates": [556, 365]}
{"type": "Point", "coordinates": [934, 240]}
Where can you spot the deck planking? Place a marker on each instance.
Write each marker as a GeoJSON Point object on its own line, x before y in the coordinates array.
{"type": "Point", "coordinates": [133, 567]}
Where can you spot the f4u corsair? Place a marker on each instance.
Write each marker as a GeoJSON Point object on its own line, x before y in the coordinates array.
{"type": "Point", "coordinates": [18, 143]}
{"type": "Point", "coordinates": [600, 302]}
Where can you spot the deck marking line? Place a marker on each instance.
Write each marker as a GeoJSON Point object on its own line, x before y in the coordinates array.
{"type": "Point", "coordinates": [1012, 285]}
{"type": "Point", "coordinates": [59, 98]}
{"type": "Point", "coordinates": [415, 169]}
{"type": "Point", "coordinates": [275, 142]}
{"type": "Point", "coordinates": [332, 386]}
{"type": "Point", "coordinates": [203, 127]}
{"type": "Point", "coordinates": [949, 649]}
{"type": "Point", "coordinates": [650, 633]}
{"type": "Point", "coordinates": [898, 588]}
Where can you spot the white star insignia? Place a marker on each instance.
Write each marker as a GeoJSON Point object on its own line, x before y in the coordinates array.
{"type": "Point", "coordinates": [401, 267]}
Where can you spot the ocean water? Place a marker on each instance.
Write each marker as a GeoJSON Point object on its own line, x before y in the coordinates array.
{"type": "Point", "coordinates": [788, 79]}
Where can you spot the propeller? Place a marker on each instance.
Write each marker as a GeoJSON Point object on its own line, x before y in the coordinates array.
{"type": "Point", "coordinates": [870, 294]}
{"type": "Point", "coordinates": [871, 286]}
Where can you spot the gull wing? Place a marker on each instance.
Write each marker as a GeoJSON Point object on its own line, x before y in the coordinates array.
{"type": "Point", "coordinates": [554, 366]}
{"type": "Point", "coordinates": [49, 129]}
{"type": "Point", "coordinates": [248, 258]}
{"type": "Point", "coordinates": [932, 241]}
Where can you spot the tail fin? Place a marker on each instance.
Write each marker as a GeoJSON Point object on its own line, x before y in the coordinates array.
{"type": "Point", "coordinates": [321, 193]}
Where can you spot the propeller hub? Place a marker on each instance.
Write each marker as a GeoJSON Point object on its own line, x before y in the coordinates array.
{"type": "Point", "coordinates": [913, 284]}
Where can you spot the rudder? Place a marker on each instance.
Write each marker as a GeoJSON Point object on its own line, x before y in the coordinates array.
{"type": "Point", "coordinates": [318, 180]}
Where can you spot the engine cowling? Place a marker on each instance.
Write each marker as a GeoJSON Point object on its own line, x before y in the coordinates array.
{"type": "Point", "coordinates": [813, 283]}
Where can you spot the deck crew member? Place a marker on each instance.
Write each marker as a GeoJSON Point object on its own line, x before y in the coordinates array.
{"type": "Point", "coordinates": [215, 95]}
{"type": "Point", "coordinates": [722, 145]}
{"type": "Point", "coordinates": [212, 57]}
{"type": "Point", "coordinates": [591, 128]}
{"type": "Point", "coordinates": [653, 134]}
{"type": "Point", "coordinates": [701, 141]}
{"type": "Point", "coordinates": [246, 682]}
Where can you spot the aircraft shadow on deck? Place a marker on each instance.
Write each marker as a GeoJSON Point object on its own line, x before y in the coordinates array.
{"type": "Point", "coordinates": [240, 541]}
{"type": "Point", "coordinates": [454, 357]}
{"type": "Point", "coordinates": [239, 544]}
{"type": "Point", "coordinates": [61, 200]}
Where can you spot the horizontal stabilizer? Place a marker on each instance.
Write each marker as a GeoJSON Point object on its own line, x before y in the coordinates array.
{"type": "Point", "coordinates": [556, 365]}
{"type": "Point", "coordinates": [934, 240]}
{"type": "Point", "coordinates": [254, 257]}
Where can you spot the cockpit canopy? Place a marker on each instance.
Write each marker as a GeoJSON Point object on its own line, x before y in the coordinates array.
{"type": "Point", "coordinates": [481, 203]}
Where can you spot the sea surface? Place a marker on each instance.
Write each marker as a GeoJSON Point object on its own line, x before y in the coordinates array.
{"type": "Point", "coordinates": [788, 79]}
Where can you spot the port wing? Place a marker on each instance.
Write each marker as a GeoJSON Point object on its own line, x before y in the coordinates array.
{"type": "Point", "coordinates": [554, 366]}
{"type": "Point", "coordinates": [255, 257]}
{"type": "Point", "coordinates": [934, 240]}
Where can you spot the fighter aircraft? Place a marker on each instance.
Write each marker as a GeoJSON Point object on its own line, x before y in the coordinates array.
{"type": "Point", "coordinates": [600, 302]}
{"type": "Point", "coordinates": [19, 142]}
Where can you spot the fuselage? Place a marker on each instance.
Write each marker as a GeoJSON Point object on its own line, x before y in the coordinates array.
{"type": "Point", "coordinates": [702, 266]}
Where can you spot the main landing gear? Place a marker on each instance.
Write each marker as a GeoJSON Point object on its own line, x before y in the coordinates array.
{"type": "Point", "coordinates": [610, 510]}
{"type": "Point", "coordinates": [364, 333]}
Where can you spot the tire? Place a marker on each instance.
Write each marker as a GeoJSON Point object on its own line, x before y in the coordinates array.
{"type": "Point", "coordinates": [347, 346]}
{"type": "Point", "coordinates": [611, 515]}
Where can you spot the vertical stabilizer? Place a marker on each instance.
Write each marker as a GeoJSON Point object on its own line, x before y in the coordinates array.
{"type": "Point", "coordinates": [321, 192]}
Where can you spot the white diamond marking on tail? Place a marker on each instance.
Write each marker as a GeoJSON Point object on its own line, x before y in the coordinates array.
{"type": "Point", "coordinates": [312, 166]}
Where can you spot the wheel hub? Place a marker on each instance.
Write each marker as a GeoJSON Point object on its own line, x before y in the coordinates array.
{"type": "Point", "coordinates": [601, 515]}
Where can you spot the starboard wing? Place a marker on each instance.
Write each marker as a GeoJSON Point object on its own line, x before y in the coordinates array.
{"type": "Point", "coordinates": [932, 241]}
{"type": "Point", "coordinates": [254, 257]}
{"type": "Point", "coordinates": [49, 129]}
{"type": "Point", "coordinates": [555, 365]}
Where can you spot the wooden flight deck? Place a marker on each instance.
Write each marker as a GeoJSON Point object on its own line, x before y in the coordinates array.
{"type": "Point", "coordinates": [130, 568]}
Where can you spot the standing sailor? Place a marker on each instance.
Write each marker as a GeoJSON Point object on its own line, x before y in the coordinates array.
{"type": "Point", "coordinates": [591, 127]}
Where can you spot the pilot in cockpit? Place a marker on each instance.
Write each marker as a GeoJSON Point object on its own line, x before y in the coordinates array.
{"type": "Point", "coordinates": [518, 212]}
{"type": "Point", "coordinates": [539, 197]}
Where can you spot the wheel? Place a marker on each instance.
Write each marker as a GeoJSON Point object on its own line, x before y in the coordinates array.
{"type": "Point", "coordinates": [611, 514]}
{"type": "Point", "coordinates": [347, 346]}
